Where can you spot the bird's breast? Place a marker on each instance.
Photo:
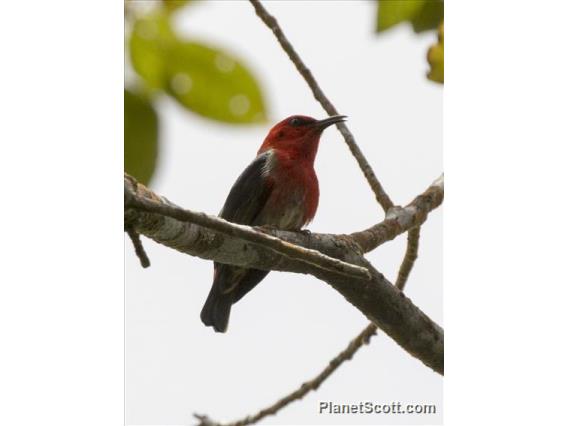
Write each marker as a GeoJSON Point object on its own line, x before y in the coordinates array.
{"type": "Point", "coordinates": [294, 197]}
{"type": "Point", "coordinates": [286, 209]}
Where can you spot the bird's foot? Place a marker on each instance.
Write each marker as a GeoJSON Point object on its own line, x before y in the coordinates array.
{"type": "Point", "coordinates": [306, 232]}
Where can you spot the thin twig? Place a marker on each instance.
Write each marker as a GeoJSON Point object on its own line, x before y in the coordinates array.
{"type": "Point", "coordinates": [306, 387]}
{"type": "Point", "coordinates": [138, 247]}
{"type": "Point", "coordinates": [273, 25]}
{"type": "Point", "coordinates": [292, 251]}
{"type": "Point", "coordinates": [410, 257]}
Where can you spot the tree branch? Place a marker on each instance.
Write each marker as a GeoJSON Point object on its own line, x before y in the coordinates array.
{"type": "Point", "coordinates": [138, 247]}
{"type": "Point", "coordinates": [401, 219]}
{"type": "Point", "coordinates": [362, 338]}
{"type": "Point", "coordinates": [364, 165]}
{"type": "Point", "coordinates": [251, 235]}
{"type": "Point", "coordinates": [183, 237]}
{"type": "Point", "coordinates": [376, 298]}
{"type": "Point", "coordinates": [410, 257]}
{"type": "Point", "coordinates": [310, 385]}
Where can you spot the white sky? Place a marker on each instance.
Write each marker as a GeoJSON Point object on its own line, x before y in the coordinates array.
{"type": "Point", "coordinates": [290, 326]}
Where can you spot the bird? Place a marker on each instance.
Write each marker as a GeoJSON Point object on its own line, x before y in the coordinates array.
{"type": "Point", "coordinates": [279, 189]}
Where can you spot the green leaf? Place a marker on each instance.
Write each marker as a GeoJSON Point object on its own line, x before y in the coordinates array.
{"type": "Point", "coordinates": [436, 58]}
{"type": "Point", "coordinates": [429, 16]}
{"type": "Point", "coordinates": [214, 84]}
{"type": "Point", "coordinates": [151, 37]}
{"type": "Point", "coordinates": [423, 14]}
{"type": "Point", "coordinates": [204, 79]}
{"type": "Point", "coordinates": [393, 12]}
{"type": "Point", "coordinates": [140, 137]}
{"type": "Point", "coordinates": [173, 5]}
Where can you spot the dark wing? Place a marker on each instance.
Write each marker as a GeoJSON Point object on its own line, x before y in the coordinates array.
{"type": "Point", "coordinates": [245, 201]}
{"type": "Point", "coordinates": [249, 193]}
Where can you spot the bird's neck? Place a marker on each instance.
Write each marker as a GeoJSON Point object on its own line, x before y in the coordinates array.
{"type": "Point", "coordinates": [302, 153]}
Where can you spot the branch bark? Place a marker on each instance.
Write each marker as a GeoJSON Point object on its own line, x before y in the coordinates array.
{"type": "Point", "coordinates": [251, 235]}
{"type": "Point", "coordinates": [376, 298]}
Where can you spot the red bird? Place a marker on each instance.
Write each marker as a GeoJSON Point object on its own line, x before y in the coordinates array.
{"type": "Point", "coordinates": [280, 189]}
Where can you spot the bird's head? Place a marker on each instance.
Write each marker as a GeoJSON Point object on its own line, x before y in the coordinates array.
{"type": "Point", "coordinates": [298, 135]}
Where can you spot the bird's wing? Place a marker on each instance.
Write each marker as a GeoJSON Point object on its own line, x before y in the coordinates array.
{"type": "Point", "coordinates": [246, 200]}
{"type": "Point", "coordinates": [249, 193]}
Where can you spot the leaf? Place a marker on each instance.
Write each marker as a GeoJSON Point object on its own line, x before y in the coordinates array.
{"type": "Point", "coordinates": [436, 58]}
{"type": "Point", "coordinates": [173, 5]}
{"type": "Point", "coordinates": [214, 84]}
{"type": "Point", "coordinates": [204, 79]}
{"type": "Point", "coordinates": [423, 14]}
{"type": "Point", "coordinates": [429, 16]}
{"type": "Point", "coordinates": [393, 12]}
{"type": "Point", "coordinates": [151, 37]}
{"type": "Point", "coordinates": [140, 137]}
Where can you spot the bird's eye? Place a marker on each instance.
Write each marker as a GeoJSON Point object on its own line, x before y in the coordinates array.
{"type": "Point", "coordinates": [295, 122]}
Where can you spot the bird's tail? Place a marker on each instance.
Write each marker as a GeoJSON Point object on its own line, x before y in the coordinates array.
{"type": "Point", "coordinates": [230, 284]}
{"type": "Point", "coordinates": [217, 309]}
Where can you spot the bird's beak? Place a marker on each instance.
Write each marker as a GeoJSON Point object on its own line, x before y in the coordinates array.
{"type": "Point", "coordinates": [326, 122]}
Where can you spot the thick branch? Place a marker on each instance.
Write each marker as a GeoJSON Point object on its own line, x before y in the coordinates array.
{"type": "Point", "coordinates": [291, 251]}
{"type": "Point", "coordinates": [376, 298]}
{"type": "Point", "coordinates": [362, 338]}
{"type": "Point", "coordinates": [272, 23]}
